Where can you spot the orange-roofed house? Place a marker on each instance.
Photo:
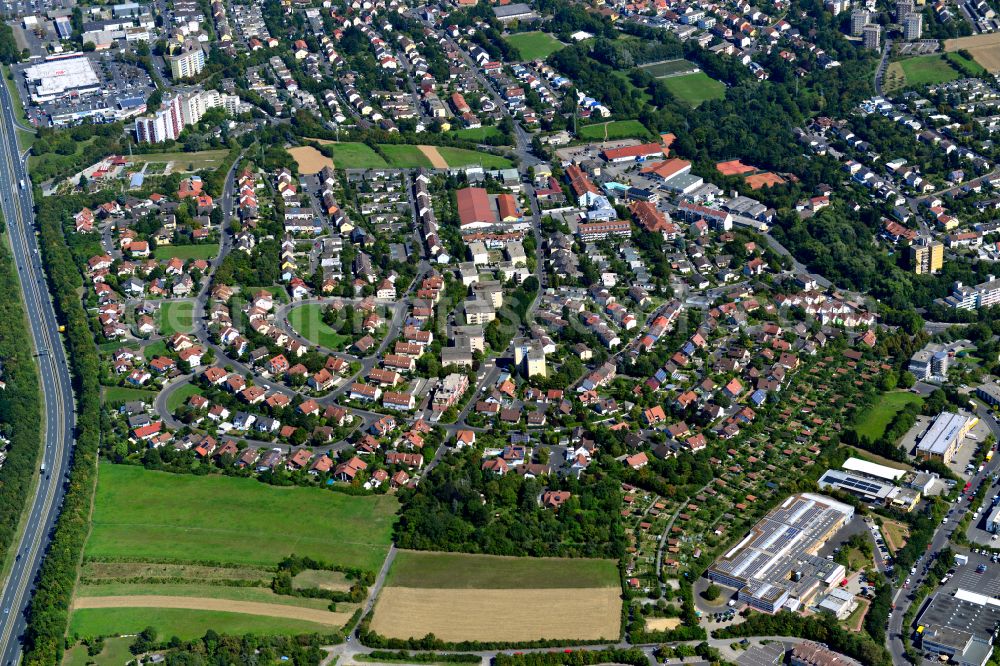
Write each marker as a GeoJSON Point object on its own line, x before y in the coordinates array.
{"type": "Point", "coordinates": [626, 154]}
{"type": "Point", "coordinates": [507, 205]}
{"type": "Point", "coordinates": [667, 169]}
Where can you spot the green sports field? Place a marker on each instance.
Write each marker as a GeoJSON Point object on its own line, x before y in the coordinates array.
{"type": "Point", "coordinates": [458, 570]}
{"type": "Point", "coordinates": [694, 88]}
{"type": "Point", "coordinates": [142, 514]}
{"type": "Point", "coordinates": [534, 45]}
{"type": "Point", "coordinates": [668, 68]}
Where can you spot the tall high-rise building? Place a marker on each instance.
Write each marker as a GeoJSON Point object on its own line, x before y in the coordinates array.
{"type": "Point", "coordinates": [927, 256]}
{"type": "Point", "coordinates": [871, 36]}
{"type": "Point", "coordinates": [162, 125]}
{"type": "Point", "coordinates": [187, 63]}
{"type": "Point", "coordinates": [913, 26]}
{"type": "Point", "coordinates": [903, 9]}
{"type": "Point", "coordinates": [859, 19]}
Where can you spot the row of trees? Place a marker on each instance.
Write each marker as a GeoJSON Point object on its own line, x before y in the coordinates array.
{"type": "Point", "coordinates": [20, 410]}
{"type": "Point", "coordinates": [48, 614]}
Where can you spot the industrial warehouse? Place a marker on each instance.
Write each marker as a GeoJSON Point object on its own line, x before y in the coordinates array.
{"type": "Point", "coordinates": [943, 439]}
{"type": "Point", "coordinates": [776, 564]}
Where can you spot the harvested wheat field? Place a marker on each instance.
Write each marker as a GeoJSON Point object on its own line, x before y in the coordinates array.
{"type": "Point", "coordinates": [985, 49]}
{"type": "Point", "coordinates": [431, 153]}
{"type": "Point", "coordinates": [662, 623]}
{"type": "Point", "coordinates": [309, 159]}
{"type": "Point", "coordinates": [224, 605]}
{"type": "Point", "coordinates": [456, 615]}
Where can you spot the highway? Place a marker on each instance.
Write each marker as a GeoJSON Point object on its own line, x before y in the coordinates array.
{"type": "Point", "coordinates": [57, 395]}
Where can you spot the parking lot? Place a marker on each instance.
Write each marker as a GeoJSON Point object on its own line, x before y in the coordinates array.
{"type": "Point", "coordinates": [966, 576]}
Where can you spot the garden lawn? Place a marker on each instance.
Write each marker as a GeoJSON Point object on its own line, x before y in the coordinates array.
{"type": "Point", "coordinates": [307, 320]}
{"type": "Point", "coordinates": [695, 88]}
{"type": "Point", "coordinates": [927, 70]}
{"type": "Point", "coordinates": [534, 45]}
{"type": "Point", "coordinates": [616, 129]}
{"type": "Point", "coordinates": [189, 518]}
{"type": "Point", "coordinates": [181, 395]}
{"type": "Point", "coordinates": [458, 570]}
{"type": "Point", "coordinates": [873, 422]}
{"type": "Point", "coordinates": [176, 317]}
{"type": "Point", "coordinates": [185, 252]}
{"type": "Point", "coordinates": [183, 623]}
{"type": "Point", "coordinates": [459, 157]}
{"type": "Point", "coordinates": [117, 395]}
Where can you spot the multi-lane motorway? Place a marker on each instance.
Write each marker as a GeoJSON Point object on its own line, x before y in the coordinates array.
{"type": "Point", "coordinates": [57, 397]}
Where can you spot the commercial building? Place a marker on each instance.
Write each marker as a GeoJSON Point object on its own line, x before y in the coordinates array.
{"type": "Point", "coordinates": [187, 63]}
{"type": "Point", "coordinates": [931, 362]}
{"type": "Point", "coordinates": [871, 36]}
{"type": "Point", "coordinates": [960, 626]}
{"type": "Point", "coordinates": [776, 564]}
{"type": "Point", "coordinates": [838, 602]}
{"type": "Point", "coordinates": [943, 439]}
{"type": "Point", "coordinates": [993, 521]}
{"type": "Point", "coordinates": [62, 77]}
{"type": "Point", "coordinates": [870, 490]}
{"type": "Point", "coordinates": [983, 295]}
{"type": "Point", "coordinates": [873, 470]}
{"type": "Point", "coordinates": [926, 257]}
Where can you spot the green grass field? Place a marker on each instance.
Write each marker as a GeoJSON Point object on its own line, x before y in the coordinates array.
{"type": "Point", "coordinates": [459, 157]}
{"type": "Point", "coordinates": [117, 395]}
{"type": "Point", "coordinates": [695, 88]}
{"type": "Point", "coordinates": [479, 133]}
{"type": "Point", "coordinates": [405, 156]}
{"type": "Point", "coordinates": [457, 570]}
{"type": "Point", "coordinates": [355, 156]}
{"type": "Point", "coordinates": [24, 138]}
{"type": "Point", "coordinates": [115, 653]}
{"type": "Point", "coordinates": [534, 45]}
{"type": "Point", "coordinates": [616, 129]}
{"type": "Point", "coordinates": [176, 317]}
{"type": "Point", "coordinates": [183, 623]}
{"type": "Point", "coordinates": [185, 252]}
{"type": "Point", "coordinates": [257, 594]}
{"type": "Point", "coordinates": [205, 159]}
{"type": "Point", "coordinates": [873, 422]}
{"type": "Point", "coordinates": [181, 395]}
{"type": "Point", "coordinates": [668, 68]}
{"type": "Point", "coordinates": [216, 518]}
{"type": "Point", "coordinates": [307, 320]}
{"type": "Point", "coordinates": [922, 70]}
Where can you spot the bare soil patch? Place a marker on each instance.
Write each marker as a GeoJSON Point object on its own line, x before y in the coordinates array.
{"type": "Point", "coordinates": [223, 605]}
{"type": "Point", "coordinates": [455, 615]}
{"type": "Point", "coordinates": [662, 623]}
{"type": "Point", "coordinates": [431, 153]}
{"type": "Point", "coordinates": [111, 571]}
{"type": "Point", "coordinates": [309, 159]}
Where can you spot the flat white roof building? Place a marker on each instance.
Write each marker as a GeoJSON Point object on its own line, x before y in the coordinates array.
{"type": "Point", "coordinates": [54, 79]}
{"type": "Point", "coordinates": [873, 469]}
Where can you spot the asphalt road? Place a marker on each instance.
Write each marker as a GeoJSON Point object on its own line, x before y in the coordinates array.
{"type": "Point", "coordinates": [57, 395]}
